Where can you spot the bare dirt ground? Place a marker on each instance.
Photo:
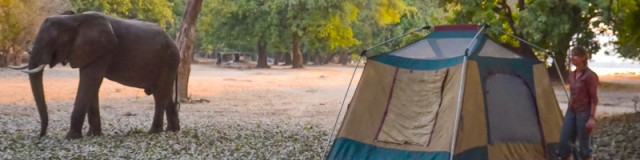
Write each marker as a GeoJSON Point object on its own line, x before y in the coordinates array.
{"type": "Point", "coordinates": [312, 94]}
{"type": "Point", "coordinates": [274, 99]}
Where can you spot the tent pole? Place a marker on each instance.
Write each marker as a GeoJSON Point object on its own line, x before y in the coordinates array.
{"type": "Point", "coordinates": [459, 107]}
{"type": "Point", "coordinates": [461, 91]}
{"type": "Point", "coordinates": [552, 54]}
{"type": "Point", "coordinates": [326, 146]}
{"type": "Point", "coordinates": [394, 38]}
{"type": "Point", "coordinates": [559, 74]}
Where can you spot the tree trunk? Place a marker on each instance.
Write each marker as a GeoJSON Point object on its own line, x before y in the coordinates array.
{"type": "Point", "coordinates": [344, 58]}
{"type": "Point", "coordinates": [276, 56]}
{"type": "Point", "coordinates": [297, 56]}
{"type": "Point", "coordinates": [287, 58]}
{"type": "Point", "coordinates": [561, 59]}
{"type": "Point", "coordinates": [329, 58]}
{"type": "Point", "coordinates": [193, 59]}
{"type": "Point", "coordinates": [220, 58]}
{"type": "Point", "coordinates": [18, 58]}
{"type": "Point", "coordinates": [185, 42]}
{"type": "Point", "coordinates": [262, 54]}
{"type": "Point", "coordinates": [14, 56]}
{"type": "Point", "coordinates": [3, 59]}
{"type": "Point", "coordinates": [236, 57]}
{"type": "Point", "coordinates": [317, 59]}
{"type": "Point", "coordinates": [11, 57]}
{"type": "Point", "coordinates": [305, 59]}
{"type": "Point", "coordinates": [553, 73]}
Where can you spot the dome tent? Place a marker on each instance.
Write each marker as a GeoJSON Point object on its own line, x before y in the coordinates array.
{"type": "Point", "coordinates": [456, 82]}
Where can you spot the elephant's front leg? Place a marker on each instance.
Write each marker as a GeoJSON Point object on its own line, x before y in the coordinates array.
{"type": "Point", "coordinates": [95, 127]}
{"type": "Point", "coordinates": [87, 99]}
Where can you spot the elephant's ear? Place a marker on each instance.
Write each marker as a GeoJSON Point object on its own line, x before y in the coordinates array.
{"type": "Point", "coordinates": [95, 38]}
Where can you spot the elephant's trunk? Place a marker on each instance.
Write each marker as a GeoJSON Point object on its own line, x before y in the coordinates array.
{"type": "Point", "coordinates": [38, 95]}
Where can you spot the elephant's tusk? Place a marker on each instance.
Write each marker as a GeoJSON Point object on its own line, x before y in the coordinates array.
{"type": "Point", "coordinates": [36, 70]}
{"type": "Point", "coordinates": [19, 67]}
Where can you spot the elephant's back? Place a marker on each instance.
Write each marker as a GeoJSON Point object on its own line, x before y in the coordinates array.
{"type": "Point", "coordinates": [144, 53]}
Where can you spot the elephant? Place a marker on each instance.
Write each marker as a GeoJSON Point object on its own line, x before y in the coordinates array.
{"type": "Point", "coordinates": [130, 52]}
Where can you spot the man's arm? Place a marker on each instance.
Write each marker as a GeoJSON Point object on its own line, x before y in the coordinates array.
{"type": "Point", "coordinates": [593, 92]}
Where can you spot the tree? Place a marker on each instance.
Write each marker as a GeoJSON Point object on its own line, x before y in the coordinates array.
{"type": "Point", "coordinates": [621, 17]}
{"type": "Point", "coordinates": [19, 22]}
{"type": "Point", "coordinates": [12, 29]}
{"type": "Point", "coordinates": [417, 13]}
{"type": "Point", "coordinates": [178, 11]}
{"type": "Point", "coordinates": [328, 24]}
{"type": "Point", "coordinates": [241, 24]}
{"type": "Point", "coordinates": [185, 41]}
{"type": "Point", "coordinates": [546, 23]}
{"type": "Point", "coordinates": [157, 11]}
{"type": "Point", "coordinates": [311, 20]}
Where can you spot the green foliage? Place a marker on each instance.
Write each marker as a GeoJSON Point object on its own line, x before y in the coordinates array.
{"type": "Point", "coordinates": [157, 11]}
{"type": "Point", "coordinates": [325, 26]}
{"type": "Point", "coordinates": [556, 25]}
{"type": "Point", "coordinates": [347, 26]}
{"type": "Point", "coordinates": [232, 25]}
{"type": "Point", "coordinates": [10, 24]}
{"type": "Point", "coordinates": [178, 11]}
{"type": "Point", "coordinates": [624, 19]}
{"type": "Point", "coordinates": [418, 13]}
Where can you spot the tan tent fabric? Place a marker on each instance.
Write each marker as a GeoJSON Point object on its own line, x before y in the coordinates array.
{"type": "Point", "coordinates": [551, 116]}
{"type": "Point", "coordinates": [472, 130]}
{"type": "Point", "coordinates": [493, 49]}
{"type": "Point", "coordinates": [509, 151]}
{"type": "Point", "coordinates": [369, 103]}
{"type": "Point", "coordinates": [413, 107]}
{"type": "Point", "coordinates": [441, 137]}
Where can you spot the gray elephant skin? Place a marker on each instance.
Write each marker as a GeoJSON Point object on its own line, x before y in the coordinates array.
{"type": "Point", "coordinates": [131, 52]}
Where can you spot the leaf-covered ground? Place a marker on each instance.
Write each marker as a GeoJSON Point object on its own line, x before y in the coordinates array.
{"type": "Point", "coordinates": [251, 114]}
{"type": "Point", "coordinates": [129, 140]}
{"type": "Point", "coordinates": [618, 137]}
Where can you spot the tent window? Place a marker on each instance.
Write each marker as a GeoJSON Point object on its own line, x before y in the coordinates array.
{"type": "Point", "coordinates": [413, 107]}
{"type": "Point", "coordinates": [511, 110]}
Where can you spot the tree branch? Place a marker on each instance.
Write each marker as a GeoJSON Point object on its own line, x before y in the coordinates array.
{"type": "Point", "coordinates": [523, 49]}
{"type": "Point", "coordinates": [520, 5]}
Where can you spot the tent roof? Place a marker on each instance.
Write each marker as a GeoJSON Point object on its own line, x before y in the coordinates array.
{"type": "Point", "coordinates": [445, 47]}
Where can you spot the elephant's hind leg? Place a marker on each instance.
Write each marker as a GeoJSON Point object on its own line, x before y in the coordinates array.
{"type": "Point", "coordinates": [163, 96]}
{"type": "Point", "coordinates": [173, 122]}
{"type": "Point", "coordinates": [158, 117]}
